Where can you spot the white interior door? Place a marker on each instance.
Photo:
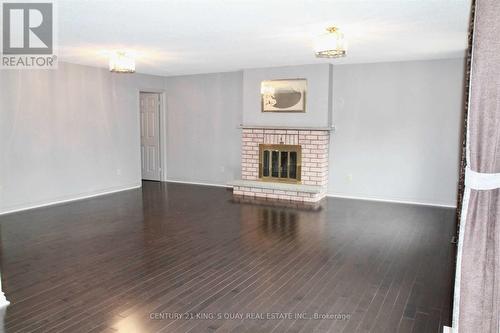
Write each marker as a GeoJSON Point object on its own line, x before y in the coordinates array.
{"type": "Point", "coordinates": [150, 136]}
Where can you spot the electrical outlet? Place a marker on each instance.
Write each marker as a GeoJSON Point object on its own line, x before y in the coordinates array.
{"type": "Point", "coordinates": [349, 177]}
{"type": "Point", "coordinates": [118, 172]}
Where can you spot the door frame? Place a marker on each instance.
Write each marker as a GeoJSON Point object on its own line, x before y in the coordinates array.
{"type": "Point", "coordinates": [163, 127]}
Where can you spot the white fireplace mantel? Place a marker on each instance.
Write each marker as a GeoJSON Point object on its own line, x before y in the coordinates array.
{"type": "Point", "coordinates": [332, 128]}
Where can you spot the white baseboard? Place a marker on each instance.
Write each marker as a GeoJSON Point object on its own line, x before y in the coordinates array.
{"type": "Point", "coordinates": [447, 329]}
{"type": "Point", "coordinates": [197, 183]}
{"type": "Point", "coordinates": [331, 195]}
{"type": "Point", "coordinates": [407, 202]}
{"type": "Point", "coordinates": [130, 187]}
{"type": "Point", "coordinates": [70, 199]}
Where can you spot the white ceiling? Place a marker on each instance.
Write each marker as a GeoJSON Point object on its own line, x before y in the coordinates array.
{"type": "Point", "coordinates": [186, 37]}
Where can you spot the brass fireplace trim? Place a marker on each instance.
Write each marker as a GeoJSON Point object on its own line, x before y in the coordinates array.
{"type": "Point", "coordinates": [281, 147]}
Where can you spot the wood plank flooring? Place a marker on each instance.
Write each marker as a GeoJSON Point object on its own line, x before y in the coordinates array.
{"type": "Point", "coordinates": [184, 258]}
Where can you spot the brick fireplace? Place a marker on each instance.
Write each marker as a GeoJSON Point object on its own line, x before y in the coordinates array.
{"type": "Point", "coordinates": [284, 164]}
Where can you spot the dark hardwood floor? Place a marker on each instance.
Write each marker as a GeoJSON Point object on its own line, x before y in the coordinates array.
{"type": "Point", "coordinates": [137, 260]}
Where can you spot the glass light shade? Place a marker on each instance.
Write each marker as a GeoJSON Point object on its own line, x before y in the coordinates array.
{"type": "Point", "coordinates": [121, 62]}
{"type": "Point", "coordinates": [331, 44]}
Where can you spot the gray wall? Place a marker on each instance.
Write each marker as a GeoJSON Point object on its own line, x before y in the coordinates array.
{"type": "Point", "coordinates": [397, 130]}
{"type": "Point", "coordinates": [203, 138]}
{"type": "Point", "coordinates": [397, 126]}
{"type": "Point", "coordinates": [67, 133]}
{"type": "Point", "coordinates": [74, 131]}
{"type": "Point", "coordinates": [318, 104]}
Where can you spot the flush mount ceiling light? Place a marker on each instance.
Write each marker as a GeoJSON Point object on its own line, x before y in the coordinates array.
{"type": "Point", "coordinates": [331, 44]}
{"type": "Point", "coordinates": [121, 62]}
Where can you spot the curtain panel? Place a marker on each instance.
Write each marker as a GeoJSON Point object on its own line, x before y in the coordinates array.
{"type": "Point", "coordinates": [477, 284]}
